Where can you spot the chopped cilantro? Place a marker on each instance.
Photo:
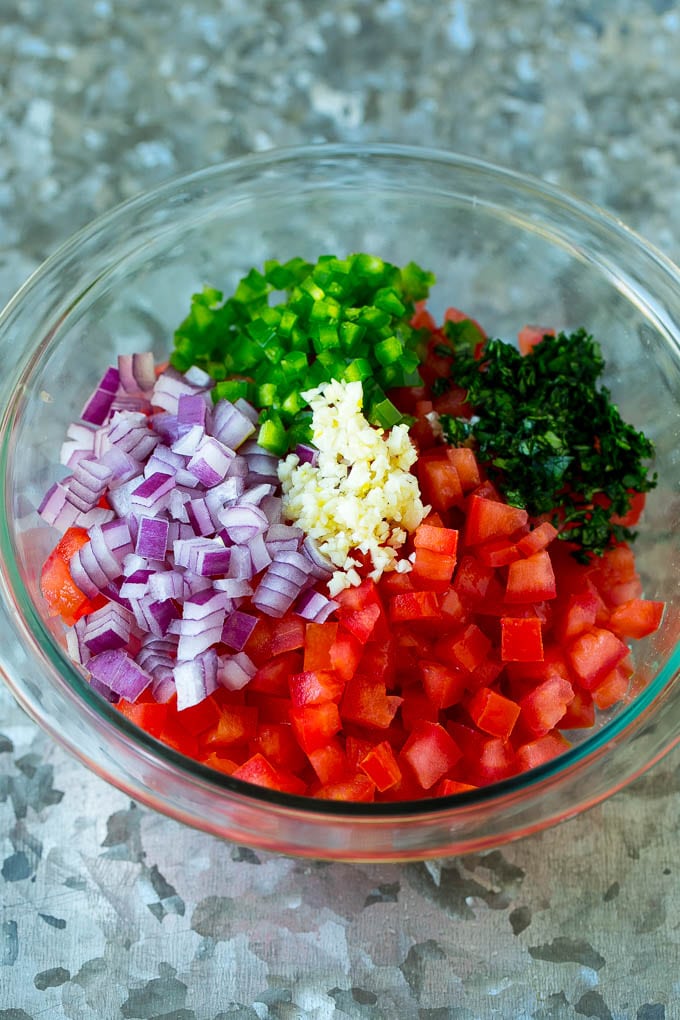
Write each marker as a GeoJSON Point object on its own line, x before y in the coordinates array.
{"type": "Point", "coordinates": [550, 435]}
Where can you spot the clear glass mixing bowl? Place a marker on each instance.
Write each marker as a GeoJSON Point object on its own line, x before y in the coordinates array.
{"type": "Point", "coordinates": [507, 249]}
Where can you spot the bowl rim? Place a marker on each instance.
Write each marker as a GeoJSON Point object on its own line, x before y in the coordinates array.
{"type": "Point", "coordinates": [592, 746]}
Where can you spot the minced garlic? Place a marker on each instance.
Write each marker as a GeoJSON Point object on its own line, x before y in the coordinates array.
{"type": "Point", "coordinates": [361, 495]}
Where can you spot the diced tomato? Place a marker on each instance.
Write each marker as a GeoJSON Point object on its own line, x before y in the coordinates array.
{"type": "Point", "coordinates": [330, 762]}
{"type": "Point", "coordinates": [319, 638]}
{"type": "Point", "coordinates": [440, 484]}
{"type": "Point", "coordinates": [488, 518]}
{"type": "Point", "coordinates": [466, 465]}
{"type": "Point", "coordinates": [453, 401]}
{"type": "Point", "coordinates": [637, 505]}
{"type": "Point", "coordinates": [362, 613]}
{"type": "Point", "coordinates": [448, 787]}
{"type": "Point", "coordinates": [537, 539]}
{"type": "Point", "coordinates": [378, 662]}
{"type": "Point", "coordinates": [581, 612]}
{"type": "Point", "coordinates": [436, 539]}
{"type": "Point", "coordinates": [431, 752]}
{"type": "Point", "coordinates": [498, 552]}
{"type": "Point", "coordinates": [258, 645]}
{"type": "Point", "coordinates": [495, 760]}
{"type": "Point", "coordinates": [345, 654]}
{"type": "Point", "coordinates": [357, 788]}
{"type": "Point", "coordinates": [422, 318]}
{"type": "Point", "coordinates": [544, 706]}
{"type": "Point", "coordinates": [201, 717]}
{"type": "Point", "coordinates": [314, 725]}
{"type": "Point", "coordinates": [531, 579]}
{"type": "Point", "coordinates": [541, 750]}
{"type": "Point", "coordinates": [433, 570]}
{"type": "Point", "coordinates": [529, 336]}
{"type": "Point", "coordinates": [444, 685]}
{"type": "Point", "coordinates": [493, 713]}
{"type": "Point", "coordinates": [288, 634]}
{"type": "Point", "coordinates": [594, 654]}
{"type": "Point", "coordinates": [466, 649]}
{"type": "Point", "coordinates": [272, 677]}
{"type": "Point", "coordinates": [312, 687]}
{"type": "Point", "coordinates": [416, 706]}
{"type": "Point", "coordinates": [456, 315]}
{"type": "Point", "coordinates": [636, 618]}
{"type": "Point", "coordinates": [259, 771]}
{"type": "Point", "coordinates": [521, 640]}
{"type": "Point", "coordinates": [148, 715]}
{"type": "Point", "coordinates": [381, 766]}
{"type": "Point", "coordinates": [276, 741]}
{"type": "Point", "coordinates": [236, 724]}
{"type": "Point", "coordinates": [64, 598]}
{"type": "Point", "coordinates": [356, 748]}
{"type": "Point", "coordinates": [367, 703]}
{"type": "Point", "coordinates": [452, 608]}
{"type": "Point", "coordinates": [580, 712]}
{"type": "Point", "coordinates": [613, 688]}
{"type": "Point", "coordinates": [473, 580]}
{"type": "Point", "coordinates": [416, 605]}
{"type": "Point", "coordinates": [218, 762]}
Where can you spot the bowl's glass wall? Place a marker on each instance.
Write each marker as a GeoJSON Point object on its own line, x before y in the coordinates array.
{"type": "Point", "coordinates": [503, 250]}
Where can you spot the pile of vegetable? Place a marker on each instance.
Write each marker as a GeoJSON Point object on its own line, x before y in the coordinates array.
{"type": "Point", "coordinates": [339, 550]}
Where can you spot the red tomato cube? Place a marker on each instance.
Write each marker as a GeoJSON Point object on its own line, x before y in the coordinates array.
{"type": "Point", "coordinates": [493, 713]}
{"type": "Point", "coordinates": [521, 639]}
{"type": "Point", "coordinates": [431, 752]}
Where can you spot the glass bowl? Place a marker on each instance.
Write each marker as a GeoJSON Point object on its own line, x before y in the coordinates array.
{"type": "Point", "coordinates": [507, 249]}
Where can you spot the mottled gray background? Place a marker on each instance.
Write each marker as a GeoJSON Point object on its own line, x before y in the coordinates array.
{"type": "Point", "coordinates": [110, 911]}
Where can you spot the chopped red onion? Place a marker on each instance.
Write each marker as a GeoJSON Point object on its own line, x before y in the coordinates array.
{"type": "Point", "coordinates": [199, 516]}
{"type": "Point", "coordinates": [165, 425]}
{"type": "Point", "coordinates": [123, 466]}
{"type": "Point", "coordinates": [99, 403]}
{"type": "Point", "coordinates": [260, 556]}
{"type": "Point", "coordinates": [203, 603]}
{"type": "Point", "coordinates": [152, 538]}
{"type": "Point", "coordinates": [167, 585]}
{"type": "Point", "coordinates": [168, 388]}
{"type": "Point", "coordinates": [107, 628]}
{"type": "Point", "coordinates": [153, 493]}
{"type": "Point", "coordinates": [237, 629]}
{"type": "Point", "coordinates": [154, 617]}
{"type": "Point", "coordinates": [97, 515]}
{"type": "Point", "coordinates": [136, 585]}
{"type": "Point", "coordinates": [120, 498]}
{"type": "Point", "coordinates": [119, 673]}
{"type": "Point", "coordinates": [314, 606]}
{"type": "Point", "coordinates": [240, 564]}
{"type": "Point", "coordinates": [242, 522]}
{"type": "Point", "coordinates": [187, 443]}
{"type": "Point", "coordinates": [191, 410]}
{"type": "Point", "coordinates": [247, 409]}
{"type": "Point", "coordinates": [234, 587]}
{"type": "Point", "coordinates": [55, 509]}
{"type": "Point", "coordinates": [230, 425]}
{"type": "Point", "coordinates": [321, 568]}
{"type": "Point", "coordinates": [210, 461]}
{"type": "Point", "coordinates": [199, 378]}
{"type": "Point", "coordinates": [164, 459]}
{"type": "Point", "coordinates": [257, 493]}
{"type": "Point", "coordinates": [271, 507]}
{"type": "Point", "coordinates": [79, 441]}
{"type": "Point", "coordinates": [235, 671]}
{"type": "Point", "coordinates": [307, 454]}
{"type": "Point", "coordinates": [196, 680]}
